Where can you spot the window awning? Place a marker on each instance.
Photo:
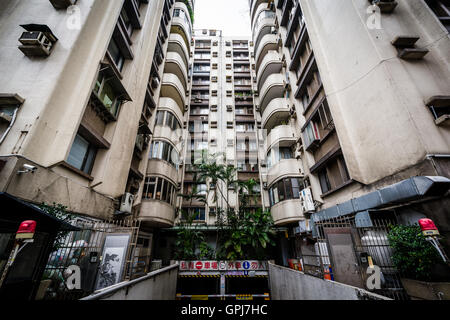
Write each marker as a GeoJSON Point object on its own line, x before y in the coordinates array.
{"type": "Point", "coordinates": [114, 80]}
{"type": "Point", "coordinates": [411, 189]}
{"type": "Point", "coordinates": [14, 211]}
{"type": "Point", "coordinates": [11, 99]}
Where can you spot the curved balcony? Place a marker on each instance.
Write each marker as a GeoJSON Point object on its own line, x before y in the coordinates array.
{"type": "Point", "coordinates": [286, 212]}
{"type": "Point", "coordinates": [276, 112]}
{"type": "Point", "coordinates": [182, 5]}
{"type": "Point", "coordinates": [272, 88]}
{"type": "Point", "coordinates": [166, 103]}
{"type": "Point", "coordinates": [180, 27]}
{"type": "Point", "coordinates": [162, 168]}
{"type": "Point", "coordinates": [174, 64]}
{"type": "Point", "coordinates": [182, 24]}
{"type": "Point", "coordinates": [271, 63]}
{"type": "Point", "coordinates": [256, 6]}
{"type": "Point", "coordinates": [268, 42]}
{"type": "Point", "coordinates": [264, 27]}
{"type": "Point", "coordinates": [177, 44]}
{"type": "Point", "coordinates": [167, 133]}
{"type": "Point", "coordinates": [284, 168]}
{"type": "Point", "coordinates": [279, 134]}
{"type": "Point", "coordinates": [173, 88]}
{"type": "Point", "coordinates": [158, 214]}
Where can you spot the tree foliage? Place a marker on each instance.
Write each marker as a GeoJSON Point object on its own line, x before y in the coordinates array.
{"type": "Point", "coordinates": [243, 233]}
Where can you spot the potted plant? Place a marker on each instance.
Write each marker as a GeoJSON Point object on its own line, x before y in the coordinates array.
{"type": "Point", "coordinates": [417, 262]}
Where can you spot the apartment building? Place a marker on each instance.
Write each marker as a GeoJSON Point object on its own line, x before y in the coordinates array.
{"type": "Point", "coordinates": [93, 88]}
{"type": "Point", "coordinates": [355, 95]}
{"type": "Point", "coordinates": [220, 120]}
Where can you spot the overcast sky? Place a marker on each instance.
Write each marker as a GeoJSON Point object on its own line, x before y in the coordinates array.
{"type": "Point", "coordinates": [230, 16]}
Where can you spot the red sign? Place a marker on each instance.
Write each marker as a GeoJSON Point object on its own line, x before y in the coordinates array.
{"type": "Point", "coordinates": [199, 265]}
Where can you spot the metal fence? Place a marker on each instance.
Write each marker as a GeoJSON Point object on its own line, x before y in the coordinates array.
{"type": "Point", "coordinates": [369, 239]}
{"type": "Point", "coordinates": [87, 250]}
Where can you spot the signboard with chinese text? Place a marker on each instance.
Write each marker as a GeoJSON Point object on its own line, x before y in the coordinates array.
{"type": "Point", "coordinates": [223, 265]}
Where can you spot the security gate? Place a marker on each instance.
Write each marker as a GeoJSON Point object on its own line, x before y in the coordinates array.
{"type": "Point", "coordinates": [349, 246]}
{"type": "Point", "coordinates": [105, 253]}
{"type": "Point", "coordinates": [223, 280]}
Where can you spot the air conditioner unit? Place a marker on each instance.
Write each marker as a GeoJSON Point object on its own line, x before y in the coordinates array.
{"type": "Point", "coordinates": [298, 154]}
{"type": "Point", "coordinates": [273, 30]}
{"type": "Point", "coordinates": [307, 200]}
{"type": "Point", "coordinates": [35, 43]}
{"type": "Point", "coordinates": [126, 204]}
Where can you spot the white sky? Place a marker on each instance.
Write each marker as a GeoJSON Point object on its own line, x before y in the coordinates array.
{"type": "Point", "coordinates": [230, 16]}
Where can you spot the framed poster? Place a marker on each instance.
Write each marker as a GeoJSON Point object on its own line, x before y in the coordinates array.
{"type": "Point", "coordinates": [114, 256]}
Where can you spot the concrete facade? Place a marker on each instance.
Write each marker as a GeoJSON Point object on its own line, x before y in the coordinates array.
{"type": "Point", "coordinates": [58, 91]}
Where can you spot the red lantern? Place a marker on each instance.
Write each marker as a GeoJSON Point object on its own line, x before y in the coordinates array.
{"type": "Point", "coordinates": [428, 227]}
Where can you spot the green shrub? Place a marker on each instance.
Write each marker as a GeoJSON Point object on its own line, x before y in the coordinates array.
{"type": "Point", "coordinates": [413, 256]}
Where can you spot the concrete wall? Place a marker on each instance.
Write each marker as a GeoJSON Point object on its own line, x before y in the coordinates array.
{"type": "Point", "coordinates": [288, 284]}
{"type": "Point", "coordinates": [157, 285]}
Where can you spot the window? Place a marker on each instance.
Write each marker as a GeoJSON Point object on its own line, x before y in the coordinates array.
{"type": "Point", "coordinates": [156, 188]}
{"type": "Point", "coordinates": [82, 155]}
{"type": "Point", "coordinates": [106, 94]}
{"type": "Point", "coordinates": [245, 126]}
{"type": "Point", "coordinates": [333, 175]}
{"type": "Point", "coordinates": [200, 189]}
{"type": "Point", "coordinates": [126, 21]}
{"type": "Point", "coordinates": [275, 155]}
{"type": "Point", "coordinates": [442, 10]}
{"type": "Point", "coordinates": [311, 135]}
{"type": "Point", "coordinates": [285, 189]}
{"type": "Point", "coordinates": [199, 214]}
{"type": "Point", "coordinates": [116, 54]}
{"type": "Point", "coordinates": [167, 118]}
{"type": "Point", "coordinates": [163, 150]}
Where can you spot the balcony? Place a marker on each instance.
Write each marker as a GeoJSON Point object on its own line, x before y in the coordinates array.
{"type": "Point", "coordinates": [182, 25]}
{"type": "Point", "coordinates": [157, 167]}
{"type": "Point", "coordinates": [287, 212]}
{"type": "Point", "coordinates": [277, 112]}
{"type": "Point", "coordinates": [278, 134]}
{"type": "Point", "coordinates": [270, 42]}
{"type": "Point", "coordinates": [256, 6]}
{"type": "Point", "coordinates": [273, 87]}
{"type": "Point", "coordinates": [157, 214]}
{"type": "Point", "coordinates": [284, 168]}
{"type": "Point", "coordinates": [270, 64]}
{"type": "Point", "coordinates": [177, 44]}
{"type": "Point", "coordinates": [174, 64]}
{"type": "Point", "coordinates": [173, 88]}
{"type": "Point", "coordinates": [265, 26]}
